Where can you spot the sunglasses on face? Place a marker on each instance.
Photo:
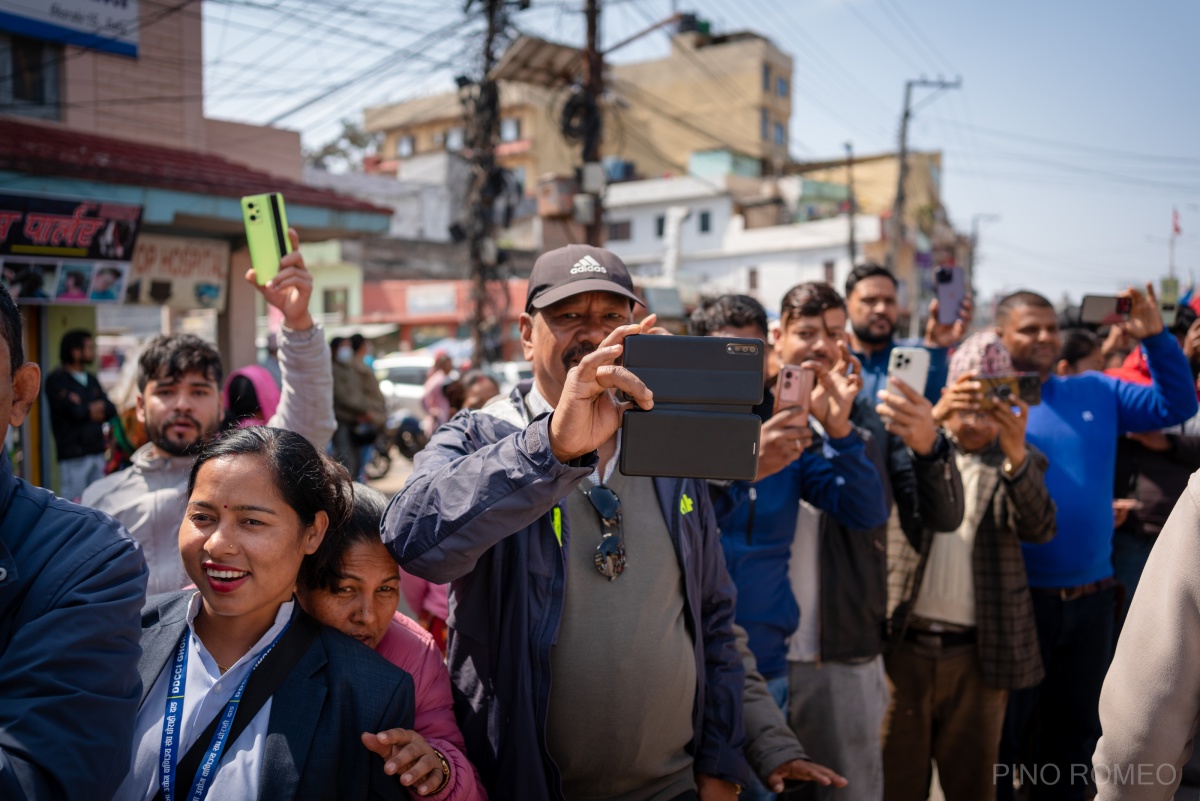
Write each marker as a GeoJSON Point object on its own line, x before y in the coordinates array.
{"type": "Point", "coordinates": [610, 553]}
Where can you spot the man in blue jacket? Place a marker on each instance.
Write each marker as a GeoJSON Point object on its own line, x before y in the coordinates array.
{"type": "Point", "coordinates": [1074, 594]}
{"type": "Point", "coordinates": [72, 584]}
{"type": "Point", "coordinates": [758, 519]}
{"type": "Point", "coordinates": [580, 670]}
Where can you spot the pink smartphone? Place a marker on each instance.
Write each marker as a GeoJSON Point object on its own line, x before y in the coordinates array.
{"type": "Point", "coordinates": [793, 388]}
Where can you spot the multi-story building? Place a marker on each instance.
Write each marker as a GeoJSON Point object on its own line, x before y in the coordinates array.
{"type": "Point", "coordinates": [728, 92]}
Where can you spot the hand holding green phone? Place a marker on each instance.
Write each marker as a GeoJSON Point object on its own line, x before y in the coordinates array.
{"type": "Point", "coordinates": [266, 233]}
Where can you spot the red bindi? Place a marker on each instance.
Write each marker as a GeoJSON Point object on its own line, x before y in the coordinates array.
{"type": "Point", "coordinates": [226, 506]}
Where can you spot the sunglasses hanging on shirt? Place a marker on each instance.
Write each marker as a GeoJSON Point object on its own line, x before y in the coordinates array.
{"type": "Point", "coordinates": [610, 553]}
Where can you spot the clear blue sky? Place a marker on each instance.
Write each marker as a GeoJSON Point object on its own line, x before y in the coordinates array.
{"type": "Point", "coordinates": [1075, 123]}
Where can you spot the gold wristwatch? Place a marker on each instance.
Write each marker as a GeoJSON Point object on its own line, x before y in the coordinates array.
{"type": "Point", "coordinates": [445, 772]}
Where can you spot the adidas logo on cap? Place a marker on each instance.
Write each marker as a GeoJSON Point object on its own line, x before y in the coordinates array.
{"type": "Point", "coordinates": [588, 265]}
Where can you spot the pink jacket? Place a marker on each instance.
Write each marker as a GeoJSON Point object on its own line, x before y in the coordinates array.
{"type": "Point", "coordinates": [409, 647]}
{"type": "Point", "coordinates": [425, 596]}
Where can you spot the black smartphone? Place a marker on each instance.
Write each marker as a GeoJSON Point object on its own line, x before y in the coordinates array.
{"type": "Point", "coordinates": [702, 424]}
{"type": "Point", "coordinates": [709, 370]}
{"type": "Point", "coordinates": [997, 390]}
{"type": "Point", "coordinates": [687, 443]}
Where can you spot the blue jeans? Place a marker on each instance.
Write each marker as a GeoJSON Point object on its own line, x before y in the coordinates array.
{"type": "Point", "coordinates": [778, 688]}
{"type": "Point", "coordinates": [1050, 731]}
{"type": "Point", "coordinates": [1130, 552]}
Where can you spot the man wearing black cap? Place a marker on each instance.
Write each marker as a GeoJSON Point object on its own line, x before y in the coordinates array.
{"type": "Point", "coordinates": [591, 641]}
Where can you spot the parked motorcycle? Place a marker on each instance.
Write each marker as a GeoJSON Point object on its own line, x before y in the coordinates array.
{"type": "Point", "coordinates": [403, 430]}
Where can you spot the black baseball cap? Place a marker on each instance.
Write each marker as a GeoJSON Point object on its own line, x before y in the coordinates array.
{"type": "Point", "coordinates": [574, 269]}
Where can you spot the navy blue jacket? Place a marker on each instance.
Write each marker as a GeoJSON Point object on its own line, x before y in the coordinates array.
{"type": "Point", "coordinates": [758, 524]}
{"type": "Point", "coordinates": [72, 583]}
{"type": "Point", "coordinates": [334, 692]}
{"type": "Point", "coordinates": [485, 509]}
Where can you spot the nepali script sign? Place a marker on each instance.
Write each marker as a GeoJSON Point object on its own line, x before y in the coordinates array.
{"type": "Point", "coordinates": [110, 26]}
{"type": "Point", "coordinates": [57, 250]}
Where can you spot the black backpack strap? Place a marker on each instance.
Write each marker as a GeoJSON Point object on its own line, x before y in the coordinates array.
{"type": "Point", "coordinates": [262, 685]}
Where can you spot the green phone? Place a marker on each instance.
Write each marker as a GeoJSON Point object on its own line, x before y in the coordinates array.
{"type": "Point", "coordinates": [266, 233]}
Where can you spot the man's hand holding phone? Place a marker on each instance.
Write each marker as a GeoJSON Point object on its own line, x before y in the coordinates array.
{"type": "Point", "coordinates": [939, 335]}
{"type": "Point", "coordinates": [1012, 418]}
{"type": "Point", "coordinates": [290, 290]}
{"type": "Point", "coordinates": [965, 395]}
{"type": "Point", "coordinates": [784, 437]}
{"type": "Point", "coordinates": [908, 415]}
{"type": "Point", "coordinates": [588, 412]}
{"type": "Point", "coordinates": [1145, 318]}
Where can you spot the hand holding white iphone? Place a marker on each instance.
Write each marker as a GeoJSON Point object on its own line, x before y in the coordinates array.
{"type": "Point", "coordinates": [910, 365]}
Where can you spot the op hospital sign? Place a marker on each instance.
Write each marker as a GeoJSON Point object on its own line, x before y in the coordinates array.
{"type": "Point", "coordinates": [110, 26]}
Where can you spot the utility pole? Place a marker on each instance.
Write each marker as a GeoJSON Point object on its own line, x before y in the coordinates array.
{"type": "Point", "coordinates": [481, 100]}
{"type": "Point", "coordinates": [593, 87]}
{"type": "Point", "coordinates": [850, 186]}
{"type": "Point", "coordinates": [897, 226]}
{"type": "Point", "coordinates": [976, 219]}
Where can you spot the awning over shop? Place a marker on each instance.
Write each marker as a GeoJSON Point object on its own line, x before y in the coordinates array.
{"type": "Point", "coordinates": [178, 189]}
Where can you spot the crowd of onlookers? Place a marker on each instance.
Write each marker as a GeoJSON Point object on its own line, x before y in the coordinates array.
{"type": "Point", "coordinates": [920, 581]}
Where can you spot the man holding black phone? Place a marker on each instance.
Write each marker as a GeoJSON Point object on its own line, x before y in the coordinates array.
{"type": "Point", "coordinates": [1074, 594]}
{"type": "Point", "coordinates": [592, 642]}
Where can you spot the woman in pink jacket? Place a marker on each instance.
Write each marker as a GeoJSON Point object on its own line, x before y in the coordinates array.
{"type": "Point", "coordinates": [356, 590]}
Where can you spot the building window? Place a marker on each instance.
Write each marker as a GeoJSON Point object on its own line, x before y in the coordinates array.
{"type": "Point", "coordinates": [510, 129]}
{"type": "Point", "coordinates": [404, 147]}
{"type": "Point", "coordinates": [620, 231]}
{"type": "Point", "coordinates": [660, 226]}
{"type": "Point", "coordinates": [781, 87]}
{"type": "Point", "coordinates": [752, 279]}
{"type": "Point", "coordinates": [780, 134]}
{"type": "Point", "coordinates": [764, 122]}
{"type": "Point", "coordinates": [29, 77]}
{"type": "Point", "coordinates": [705, 222]}
{"type": "Point", "coordinates": [454, 140]}
{"type": "Point", "coordinates": [337, 302]}
{"type": "Point", "coordinates": [829, 272]}
{"type": "Point", "coordinates": [766, 77]}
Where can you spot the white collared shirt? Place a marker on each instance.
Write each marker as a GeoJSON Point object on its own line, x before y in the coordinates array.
{"type": "Point", "coordinates": [206, 694]}
{"type": "Point", "coordinates": [538, 405]}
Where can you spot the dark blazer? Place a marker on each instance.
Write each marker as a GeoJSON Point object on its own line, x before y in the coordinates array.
{"type": "Point", "coordinates": [1007, 513]}
{"type": "Point", "coordinates": [927, 492]}
{"type": "Point", "coordinates": [338, 690]}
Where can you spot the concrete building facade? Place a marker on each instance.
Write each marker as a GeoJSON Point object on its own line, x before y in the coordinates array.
{"type": "Point", "coordinates": [709, 92]}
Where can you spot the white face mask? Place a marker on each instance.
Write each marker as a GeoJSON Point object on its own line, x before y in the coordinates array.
{"type": "Point", "coordinates": [345, 354]}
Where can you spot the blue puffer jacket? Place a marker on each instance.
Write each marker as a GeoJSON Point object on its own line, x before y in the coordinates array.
{"type": "Point", "coordinates": [758, 524]}
{"type": "Point", "coordinates": [485, 509]}
{"type": "Point", "coordinates": [72, 584]}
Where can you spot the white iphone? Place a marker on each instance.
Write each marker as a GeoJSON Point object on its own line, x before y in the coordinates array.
{"type": "Point", "coordinates": [910, 365]}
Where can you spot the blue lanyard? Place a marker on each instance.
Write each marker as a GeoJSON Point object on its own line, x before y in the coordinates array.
{"type": "Point", "coordinates": [173, 718]}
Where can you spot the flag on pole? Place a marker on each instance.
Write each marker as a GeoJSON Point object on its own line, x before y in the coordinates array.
{"type": "Point", "coordinates": [1175, 229]}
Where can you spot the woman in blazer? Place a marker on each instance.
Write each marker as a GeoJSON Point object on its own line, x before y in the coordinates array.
{"type": "Point", "coordinates": [244, 696]}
